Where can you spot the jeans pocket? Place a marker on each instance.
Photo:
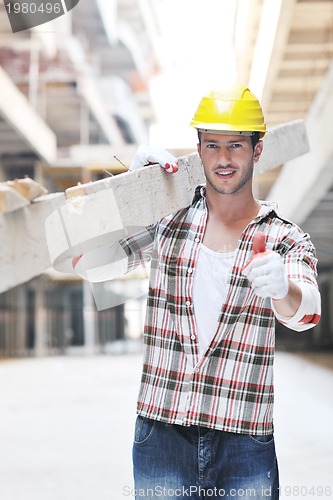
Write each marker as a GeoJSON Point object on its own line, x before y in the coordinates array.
{"type": "Point", "coordinates": [143, 429]}
{"type": "Point", "coordinates": [262, 440]}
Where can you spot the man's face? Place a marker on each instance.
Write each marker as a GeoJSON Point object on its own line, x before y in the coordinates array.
{"type": "Point", "coordinates": [228, 161]}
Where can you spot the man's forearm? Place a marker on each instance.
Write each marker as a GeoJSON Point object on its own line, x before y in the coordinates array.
{"type": "Point", "coordinates": [288, 306]}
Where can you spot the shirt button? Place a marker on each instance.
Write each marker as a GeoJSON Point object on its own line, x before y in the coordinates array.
{"type": "Point", "coordinates": [190, 271]}
{"type": "Point", "coordinates": [197, 240]}
{"type": "Point", "coordinates": [193, 337]}
{"type": "Point", "coordinates": [188, 303]}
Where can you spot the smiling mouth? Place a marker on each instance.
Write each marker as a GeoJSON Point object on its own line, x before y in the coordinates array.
{"type": "Point", "coordinates": [225, 173]}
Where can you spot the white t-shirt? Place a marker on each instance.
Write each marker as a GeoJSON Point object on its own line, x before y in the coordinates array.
{"type": "Point", "coordinates": [210, 291]}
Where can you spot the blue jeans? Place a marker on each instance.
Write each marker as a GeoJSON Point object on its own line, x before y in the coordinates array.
{"type": "Point", "coordinates": [172, 461]}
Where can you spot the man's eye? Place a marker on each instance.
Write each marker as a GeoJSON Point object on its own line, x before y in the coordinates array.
{"type": "Point", "coordinates": [211, 146]}
{"type": "Point", "coordinates": [236, 145]}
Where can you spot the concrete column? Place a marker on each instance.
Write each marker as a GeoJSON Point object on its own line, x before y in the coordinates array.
{"type": "Point", "coordinates": [21, 321]}
{"type": "Point", "coordinates": [330, 302]}
{"type": "Point", "coordinates": [39, 173]}
{"type": "Point", "coordinates": [89, 321]}
{"type": "Point", "coordinates": [2, 173]}
{"type": "Point", "coordinates": [40, 320]}
{"type": "Point", "coordinates": [84, 124]}
{"type": "Point", "coordinates": [33, 75]}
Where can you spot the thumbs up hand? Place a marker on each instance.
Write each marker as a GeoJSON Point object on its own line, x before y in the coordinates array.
{"type": "Point", "coordinates": [265, 271]}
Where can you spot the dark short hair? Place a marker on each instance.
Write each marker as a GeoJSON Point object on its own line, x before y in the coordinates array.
{"type": "Point", "coordinates": [254, 138]}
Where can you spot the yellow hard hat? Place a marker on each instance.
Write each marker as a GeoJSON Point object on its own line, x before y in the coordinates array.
{"type": "Point", "coordinates": [233, 109]}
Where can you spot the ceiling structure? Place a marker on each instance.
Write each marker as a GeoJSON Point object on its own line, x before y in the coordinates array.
{"type": "Point", "coordinates": [82, 81]}
{"type": "Point", "coordinates": [61, 66]}
{"type": "Point", "coordinates": [284, 51]}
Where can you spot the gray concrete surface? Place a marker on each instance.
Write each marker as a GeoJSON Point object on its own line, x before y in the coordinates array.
{"type": "Point", "coordinates": [66, 427]}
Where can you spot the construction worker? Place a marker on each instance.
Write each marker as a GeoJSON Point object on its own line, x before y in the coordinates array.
{"type": "Point", "coordinates": [223, 270]}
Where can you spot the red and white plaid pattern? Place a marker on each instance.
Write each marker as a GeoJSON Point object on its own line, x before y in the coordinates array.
{"type": "Point", "coordinates": [231, 387]}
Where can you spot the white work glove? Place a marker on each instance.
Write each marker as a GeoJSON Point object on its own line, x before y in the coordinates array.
{"type": "Point", "coordinates": [265, 271]}
{"type": "Point", "coordinates": [148, 155]}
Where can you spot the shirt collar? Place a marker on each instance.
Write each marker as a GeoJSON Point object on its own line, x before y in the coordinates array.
{"type": "Point", "coordinates": [266, 206]}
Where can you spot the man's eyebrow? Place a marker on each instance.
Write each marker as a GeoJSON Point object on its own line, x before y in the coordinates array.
{"type": "Point", "coordinates": [210, 140]}
{"type": "Point", "coordinates": [233, 141]}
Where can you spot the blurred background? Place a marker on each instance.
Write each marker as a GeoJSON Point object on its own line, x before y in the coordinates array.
{"type": "Point", "coordinates": [112, 74]}
{"type": "Point", "coordinates": [92, 85]}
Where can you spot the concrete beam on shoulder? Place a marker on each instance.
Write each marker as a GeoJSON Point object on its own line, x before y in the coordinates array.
{"type": "Point", "coordinates": [24, 253]}
{"type": "Point", "coordinates": [102, 212]}
{"type": "Point", "coordinates": [55, 227]}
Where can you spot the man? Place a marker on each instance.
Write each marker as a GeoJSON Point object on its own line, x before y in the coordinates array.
{"type": "Point", "coordinates": [204, 427]}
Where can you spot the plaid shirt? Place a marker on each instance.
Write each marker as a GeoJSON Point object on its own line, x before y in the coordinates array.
{"type": "Point", "coordinates": [231, 387]}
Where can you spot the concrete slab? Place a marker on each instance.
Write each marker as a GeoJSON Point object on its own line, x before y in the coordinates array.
{"type": "Point", "coordinates": [25, 254]}
{"type": "Point", "coordinates": [66, 427]}
{"type": "Point", "coordinates": [140, 198]}
{"type": "Point", "coordinates": [56, 227]}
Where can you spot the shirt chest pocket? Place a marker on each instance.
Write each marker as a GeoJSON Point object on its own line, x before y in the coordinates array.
{"type": "Point", "coordinates": [177, 267]}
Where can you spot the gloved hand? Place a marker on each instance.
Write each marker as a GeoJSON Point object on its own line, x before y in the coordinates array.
{"type": "Point", "coordinates": [266, 272]}
{"type": "Point", "coordinates": [148, 155]}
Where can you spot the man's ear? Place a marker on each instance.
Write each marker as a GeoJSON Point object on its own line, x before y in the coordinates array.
{"type": "Point", "coordinates": [258, 148]}
{"type": "Point", "coordinates": [199, 149]}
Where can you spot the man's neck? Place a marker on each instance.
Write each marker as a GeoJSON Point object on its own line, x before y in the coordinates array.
{"type": "Point", "coordinates": [231, 208]}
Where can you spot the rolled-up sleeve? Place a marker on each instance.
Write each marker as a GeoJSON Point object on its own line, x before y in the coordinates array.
{"type": "Point", "coordinates": [102, 264]}
{"type": "Point", "coordinates": [308, 314]}
{"type": "Point", "coordinates": [112, 261]}
{"type": "Point", "coordinates": [301, 266]}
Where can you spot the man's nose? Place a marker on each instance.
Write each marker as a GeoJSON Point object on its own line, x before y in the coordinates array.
{"type": "Point", "coordinates": [224, 156]}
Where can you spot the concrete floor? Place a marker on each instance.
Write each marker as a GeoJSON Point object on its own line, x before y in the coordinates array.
{"type": "Point", "coordinates": [66, 427]}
